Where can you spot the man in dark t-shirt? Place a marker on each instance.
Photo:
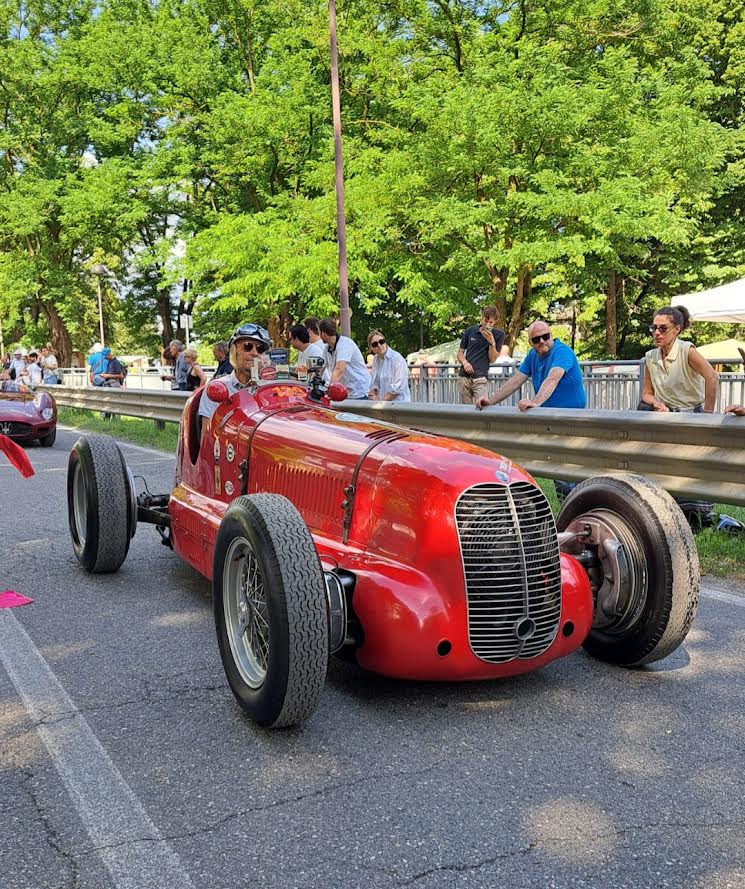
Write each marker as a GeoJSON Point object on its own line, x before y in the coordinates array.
{"type": "Point", "coordinates": [480, 346]}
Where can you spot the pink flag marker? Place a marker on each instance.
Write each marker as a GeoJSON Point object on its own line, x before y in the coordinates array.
{"type": "Point", "coordinates": [12, 599]}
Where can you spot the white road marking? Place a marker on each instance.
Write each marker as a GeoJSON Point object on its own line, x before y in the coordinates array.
{"type": "Point", "coordinates": [120, 829]}
{"type": "Point", "coordinates": [709, 593]}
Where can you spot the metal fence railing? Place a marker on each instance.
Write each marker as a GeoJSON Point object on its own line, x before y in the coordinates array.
{"type": "Point", "coordinates": [610, 386]}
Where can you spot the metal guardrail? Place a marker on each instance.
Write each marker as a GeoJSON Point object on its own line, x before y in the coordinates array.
{"type": "Point", "coordinates": [696, 455]}
{"type": "Point", "coordinates": [148, 404]}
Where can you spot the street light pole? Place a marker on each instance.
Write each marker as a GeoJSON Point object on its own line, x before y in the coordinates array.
{"type": "Point", "coordinates": [341, 231]}
{"type": "Point", "coordinates": [99, 271]}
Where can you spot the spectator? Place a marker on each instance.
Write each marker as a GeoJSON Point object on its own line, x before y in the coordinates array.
{"type": "Point", "coordinates": [220, 352]}
{"type": "Point", "coordinates": [480, 346]}
{"type": "Point", "coordinates": [676, 376]}
{"type": "Point", "coordinates": [554, 370]}
{"type": "Point", "coordinates": [422, 360]}
{"type": "Point", "coordinates": [96, 374]}
{"type": "Point", "coordinates": [737, 409]}
{"type": "Point", "coordinates": [175, 351]}
{"type": "Point", "coordinates": [94, 356]}
{"type": "Point", "coordinates": [32, 374]}
{"type": "Point", "coordinates": [49, 366]}
{"type": "Point", "coordinates": [195, 376]}
{"type": "Point", "coordinates": [390, 373]}
{"type": "Point", "coordinates": [314, 331]}
{"type": "Point", "coordinates": [248, 345]}
{"type": "Point", "coordinates": [17, 365]}
{"type": "Point", "coordinates": [344, 360]}
{"type": "Point", "coordinates": [300, 340]}
{"type": "Point", "coordinates": [114, 373]}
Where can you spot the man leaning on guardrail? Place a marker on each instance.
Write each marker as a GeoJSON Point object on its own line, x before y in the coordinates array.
{"type": "Point", "coordinates": [554, 370]}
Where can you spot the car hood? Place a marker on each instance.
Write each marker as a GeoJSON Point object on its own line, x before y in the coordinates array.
{"type": "Point", "coordinates": [17, 406]}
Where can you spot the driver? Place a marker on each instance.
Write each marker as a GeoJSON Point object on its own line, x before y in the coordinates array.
{"type": "Point", "coordinates": [248, 344]}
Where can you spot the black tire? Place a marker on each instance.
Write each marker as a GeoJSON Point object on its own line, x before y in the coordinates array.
{"type": "Point", "coordinates": [100, 504]}
{"type": "Point", "coordinates": [48, 440]}
{"type": "Point", "coordinates": [659, 546]}
{"type": "Point", "coordinates": [269, 600]}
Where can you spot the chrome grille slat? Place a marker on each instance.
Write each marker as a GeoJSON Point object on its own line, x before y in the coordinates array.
{"type": "Point", "coordinates": [510, 556]}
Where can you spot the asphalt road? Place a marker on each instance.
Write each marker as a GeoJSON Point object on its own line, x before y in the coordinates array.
{"type": "Point", "coordinates": [124, 761]}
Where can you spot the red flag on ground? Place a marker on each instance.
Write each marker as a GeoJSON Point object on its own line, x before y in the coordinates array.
{"type": "Point", "coordinates": [12, 599]}
{"type": "Point", "coordinates": [17, 456]}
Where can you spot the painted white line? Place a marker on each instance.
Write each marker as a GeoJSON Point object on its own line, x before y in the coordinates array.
{"type": "Point", "coordinates": [122, 833]}
{"type": "Point", "coordinates": [709, 593]}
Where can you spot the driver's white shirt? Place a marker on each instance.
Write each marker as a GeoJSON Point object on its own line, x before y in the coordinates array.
{"type": "Point", "coordinates": [207, 406]}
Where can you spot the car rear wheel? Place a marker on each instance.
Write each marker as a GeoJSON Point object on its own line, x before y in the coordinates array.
{"type": "Point", "coordinates": [46, 441]}
{"type": "Point", "coordinates": [101, 504]}
{"type": "Point", "coordinates": [271, 617]}
{"type": "Point", "coordinates": [642, 561]}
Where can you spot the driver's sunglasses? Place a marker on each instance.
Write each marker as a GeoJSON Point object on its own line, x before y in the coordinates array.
{"type": "Point", "coordinates": [248, 346]}
{"type": "Point", "coordinates": [542, 337]}
{"type": "Point", "coordinates": [663, 328]}
{"type": "Point", "coordinates": [375, 343]}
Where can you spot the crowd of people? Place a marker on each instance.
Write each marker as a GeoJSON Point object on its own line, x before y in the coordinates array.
{"type": "Point", "coordinates": [676, 377]}
{"type": "Point", "coordinates": [28, 369]}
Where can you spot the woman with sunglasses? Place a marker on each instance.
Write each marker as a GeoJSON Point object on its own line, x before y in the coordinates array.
{"type": "Point", "coordinates": [676, 376]}
{"type": "Point", "coordinates": [390, 372]}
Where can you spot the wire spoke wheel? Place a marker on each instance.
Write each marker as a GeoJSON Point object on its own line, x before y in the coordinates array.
{"type": "Point", "coordinates": [245, 612]}
{"type": "Point", "coordinates": [269, 598]}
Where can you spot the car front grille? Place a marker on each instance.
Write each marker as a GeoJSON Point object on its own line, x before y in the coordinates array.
{"type": "Point", "coordinates": [15, 428]}
{"type": "Point", "coordinates": [512, 571]}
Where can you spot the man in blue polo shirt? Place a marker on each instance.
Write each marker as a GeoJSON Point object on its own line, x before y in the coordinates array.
{"type": "Point", "coordinates": [554, 370]}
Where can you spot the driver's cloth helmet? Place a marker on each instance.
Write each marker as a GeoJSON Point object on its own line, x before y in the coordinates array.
{"type": "Point", "coordinates": [248, 332]}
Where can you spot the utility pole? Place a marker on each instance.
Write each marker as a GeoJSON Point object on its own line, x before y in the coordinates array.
{"type": "Point", "coordinates": [341, 230]}
{"type": "Point", "coordinates": [99, 271]}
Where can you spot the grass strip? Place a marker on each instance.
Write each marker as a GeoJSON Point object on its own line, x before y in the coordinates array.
{"type": "Point", "coordinates": [131, 429]}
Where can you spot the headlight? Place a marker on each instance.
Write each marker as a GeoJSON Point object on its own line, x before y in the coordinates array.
{"type": "Point", "coordinates": [48, 413]}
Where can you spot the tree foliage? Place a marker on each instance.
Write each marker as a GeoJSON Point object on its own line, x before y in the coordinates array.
{"type": "Point", "coordinates": [559, 158]}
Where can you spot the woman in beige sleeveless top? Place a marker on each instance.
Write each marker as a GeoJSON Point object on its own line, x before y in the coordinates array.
{"type": "Point", "coordinates": [676, 376]}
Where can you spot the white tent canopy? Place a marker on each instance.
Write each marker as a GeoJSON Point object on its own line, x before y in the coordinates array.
{"type": "Point", "coordinates": [725, 304]}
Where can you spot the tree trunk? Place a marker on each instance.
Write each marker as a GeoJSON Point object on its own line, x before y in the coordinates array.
{"type": "Point", "coordinates": [611, 322]}
{"type": "Point", "coordinates": [61, 340]}
{"type": "Point", "coordinates": [164, 310]}
{"type": "Point", "coordinates": [523, 292]}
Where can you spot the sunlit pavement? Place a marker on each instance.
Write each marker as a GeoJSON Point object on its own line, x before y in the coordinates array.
{"type": "Point", "coordinates": [124, 761]}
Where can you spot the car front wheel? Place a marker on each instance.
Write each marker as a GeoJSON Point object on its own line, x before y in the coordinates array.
{"type": "Point", "coordinates": [642, 561]}
{"type": "Point", "coordinates": [270, 610]}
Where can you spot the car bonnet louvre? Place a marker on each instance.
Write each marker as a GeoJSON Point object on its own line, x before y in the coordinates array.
{"type": "Point", "coordinates": [511, 568]}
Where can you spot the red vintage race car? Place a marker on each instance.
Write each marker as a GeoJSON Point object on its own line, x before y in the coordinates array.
{"type": "Point", "coordinates": [418, 556]}
{"type": "Point", "coordinates": [25, 416]}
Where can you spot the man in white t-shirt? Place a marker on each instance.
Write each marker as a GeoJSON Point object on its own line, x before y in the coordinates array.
{"type": "Point", "coordinates": [344, 360]}
{"type": "Point", "coordinates": [300, 339]}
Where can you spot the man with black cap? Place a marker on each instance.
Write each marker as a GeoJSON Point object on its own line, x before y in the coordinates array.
{"type": "Point", "coordinates": [246, 348]}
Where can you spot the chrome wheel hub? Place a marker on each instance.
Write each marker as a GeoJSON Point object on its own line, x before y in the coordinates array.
{"type": "Point", "coordinates": [622, 592]}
